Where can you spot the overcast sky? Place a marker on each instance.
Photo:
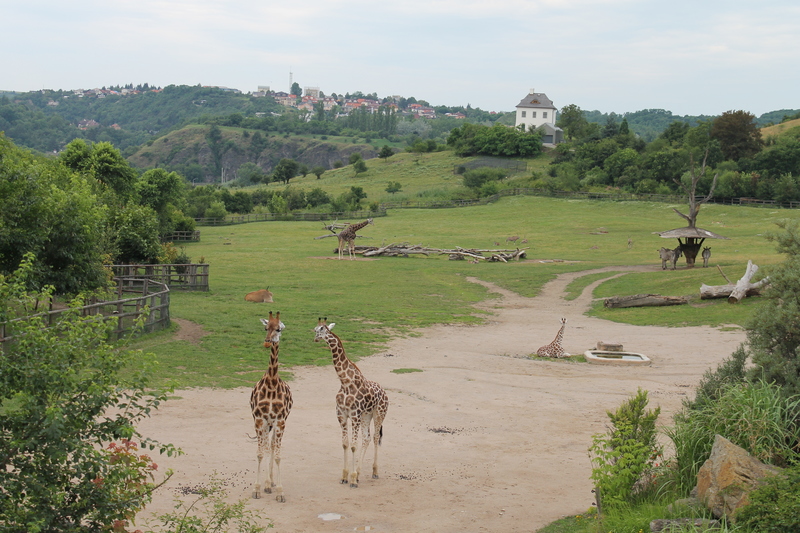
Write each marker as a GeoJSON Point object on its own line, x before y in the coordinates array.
{"type": "Point", "coordinates": [689, 57]}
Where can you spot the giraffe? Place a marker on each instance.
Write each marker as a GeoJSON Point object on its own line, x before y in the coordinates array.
{"type": "Point", "coordinates": [271, 402]}
{"type": "Point", "coordinates": [348, 237]}
{"type": "Point", "coordinates": [554, 349]}
{"type": "Point", "coordinates": [358, 402]}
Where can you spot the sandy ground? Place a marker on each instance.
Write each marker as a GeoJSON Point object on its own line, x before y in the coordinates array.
{"type": "Point", "coordinates": [483, 439]}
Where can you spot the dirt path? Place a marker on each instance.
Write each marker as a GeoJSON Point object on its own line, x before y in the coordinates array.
{"type": "Point", "coordinates": [483, 439]}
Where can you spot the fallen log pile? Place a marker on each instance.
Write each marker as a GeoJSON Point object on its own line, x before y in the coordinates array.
{"type": "Point", "coordinates": [458, 254]}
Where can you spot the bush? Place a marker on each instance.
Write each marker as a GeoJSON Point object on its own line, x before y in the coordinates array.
{"type": "Point", "coordinates": [775, 506]}
{"type": "Point", "coordinates": [622, 456]}
{"type": "Point", "coordinates": [69, 406]}
{"type": "Point", "coordinates": [753, 416]}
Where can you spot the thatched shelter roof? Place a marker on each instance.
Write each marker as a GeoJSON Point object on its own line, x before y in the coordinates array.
{"type": "Point", "coordinates": [689, 233]}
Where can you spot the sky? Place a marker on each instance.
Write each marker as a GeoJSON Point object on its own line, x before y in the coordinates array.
{"type": "Point", "coordinates": [701, 57]}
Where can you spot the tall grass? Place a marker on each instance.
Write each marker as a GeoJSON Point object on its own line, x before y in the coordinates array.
{"type": "Point", "coordinates": [753, 416]}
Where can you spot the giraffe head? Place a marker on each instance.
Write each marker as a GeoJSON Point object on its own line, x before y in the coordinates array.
{"type": "Point", "coordinates": [323, 329]}
{"type": "Point", "coordinates": [274, 327]}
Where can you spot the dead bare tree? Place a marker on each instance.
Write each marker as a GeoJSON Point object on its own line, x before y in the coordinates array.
{"type": "Point", "coordinates": [694, 204]}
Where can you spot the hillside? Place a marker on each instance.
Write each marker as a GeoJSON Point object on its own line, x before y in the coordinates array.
{"type": "Point", "coordinates": [189, 151]}
{"type": "Point", "coordinates": [790, 127]}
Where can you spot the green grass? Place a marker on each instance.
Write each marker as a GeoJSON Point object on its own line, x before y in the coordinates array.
{"type": "Point", "coordinates": [575, 288]}
{"type": "Point", "coordinates": [374, 301]}
{"type": "Point", "coordinates": [406, 370]}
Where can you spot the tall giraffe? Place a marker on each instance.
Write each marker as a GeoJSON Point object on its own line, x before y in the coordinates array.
{"type": "Point", "coordinates": [271, 402]}
{"type": "Point", "coordinates": [358, 402]}
{"type": "Point", "coordinates": [554, 349]}
{"type": "Point", "coordinates": [347, 237]}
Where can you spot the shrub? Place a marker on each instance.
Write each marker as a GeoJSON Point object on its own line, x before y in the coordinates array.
{"type": "Point", "coordinates": [622, 456]}
{"type": "Point", "coordinates": [754, 416]}
{"type": "Point", "coordinates": [775, 506]}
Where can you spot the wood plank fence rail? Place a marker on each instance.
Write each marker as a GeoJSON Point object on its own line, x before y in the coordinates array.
{"type": "Point", "coordinates": [180, 277]}
{"type": "Point", "coordinates": [260, 217]}
{"type": "Point", "coordinates": [183, 236]}
{"type": "Point", "coordinates": [127, 310]}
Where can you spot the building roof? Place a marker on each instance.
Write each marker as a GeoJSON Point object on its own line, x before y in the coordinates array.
{"type": "Point", "coordinates": [536, 100]}
{"type": "Point", "coordinates": [687, 232]}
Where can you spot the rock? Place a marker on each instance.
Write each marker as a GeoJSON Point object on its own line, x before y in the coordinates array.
{"type": "Point", "coordinates": [727, 477]}
{"type": "Point", "coordinates": [609, 346]}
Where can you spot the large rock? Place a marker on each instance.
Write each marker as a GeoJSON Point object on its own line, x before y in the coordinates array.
{"type": "Point", "coordinates": [728, 476]}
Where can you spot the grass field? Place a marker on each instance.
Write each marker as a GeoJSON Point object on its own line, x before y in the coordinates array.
{"type": "Point", "coordinates": [377, 299]}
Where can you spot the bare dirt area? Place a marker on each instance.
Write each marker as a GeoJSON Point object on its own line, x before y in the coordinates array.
{"type": "Point", "coordinates": [483, 439]}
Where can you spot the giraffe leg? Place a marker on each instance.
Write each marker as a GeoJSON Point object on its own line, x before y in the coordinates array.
{"type": "Point", "coordinates": [354, 443]}
{"type": "Point", "coordinates": [261, 444]}
{"type": "Point", "coordinates": [376, 441]}
{"type": "Point", "coordinates": [345, 446]}
{"type": "Point", "coordinates": [276, 458]}
{"type": "Point", "coordinates": [366, 420]}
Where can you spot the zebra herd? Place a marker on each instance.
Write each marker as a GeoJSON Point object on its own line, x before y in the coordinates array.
{"type": "Point", "coordinates": [672, 256]}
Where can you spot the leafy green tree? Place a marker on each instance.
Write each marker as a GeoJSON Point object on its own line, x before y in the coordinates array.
{"type": "Point", "coordinates": [296, 90]}
{"type": "Point", "coordinates": [318, 171]}
{"type": "Point", "coordinates": [386, 152]}
{"type": "Point", "coordinates": [355, 156]}
{"type": "Point", "coordinates": [572, 121]}
{"type": "Point", "coordinates": [53, 212]}
{"type": "Point", "coordinates": [251, 173]}
{"type": "Point", "coordinates": [360, 166]}
{"type": "Point", "coordinates": [135, 235]}
{"type": "Point", "coordinates": [285, 170]}
{"type": "Point", "coordinates": [70, 403]}
{"type": "Point", "coordinates": [393, 187]}
{"type": "Point", "coordinates": [738, 134]}
{"type": "Point", "coordinates": [621, 162]}
{"type": "Point", "coordinates": [104, 163]}
{"type": "Point", "coordinates": [774, 332]}
{"type": "Point", "coordinates": [163, 192]}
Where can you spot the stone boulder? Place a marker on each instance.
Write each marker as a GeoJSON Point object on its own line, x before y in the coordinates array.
{"type": "Point", "coordinates": [728, 476]}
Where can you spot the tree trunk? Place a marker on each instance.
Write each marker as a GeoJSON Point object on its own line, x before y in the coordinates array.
{"type": "Point", "coordinates": [709, 292]}
{"type": "Point", "coordinates": [643, 300]}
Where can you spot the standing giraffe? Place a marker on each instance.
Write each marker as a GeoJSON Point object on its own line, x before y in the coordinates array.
{"type": "Point", "coordinates": [271, 402]}
{"type": "Point", "coordinates": [554, 349]}
{"type": "Point", "coordinates": [358, 402]}
{"type": "Point", "coordinates": [348, 237]}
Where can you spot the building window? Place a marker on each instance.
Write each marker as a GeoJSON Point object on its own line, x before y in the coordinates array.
{"type": "Point", "coordinates": [523, 114]}
{"type": "Point", "coordinates": [544, 114]}
{"type": "Point", "coordinates": [533, 114]}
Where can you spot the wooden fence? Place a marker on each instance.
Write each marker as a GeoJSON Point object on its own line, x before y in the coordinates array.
{"type": "Point", "coordinates": [126, 310]}
{"type": "Point", "coordinates": [181, 277]}
{"type": "Point", "coordinates": [260, 217]}
{"type": "Point", "coordinates": [183, 236]}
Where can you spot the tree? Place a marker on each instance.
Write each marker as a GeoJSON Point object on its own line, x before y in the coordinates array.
{"type": "Point", "coordinates": [135, 235]}
{"type": "Point", "coordinates": [104, 163]}
{"type": "Point", "coordinates": [251, 173]}
{"type": "Point", "coordinates": [318, 171]}
{"type": "Point", "coordinates": [386, 152]}
{"type": "Point", "coordinates": [163, 192]}
{"type": "Point", "coordinates": [355, 156]}
{"type": "Point", "coordinates": [360, 166]}
{"type": "Point", "coordinates": [296, 90]}
{"type": "Point", "coordinates": [393, 187]}
{"type": "Point", "coordinates": [738, 134]}
{"type": "Point", "coordinates": [572, 121]}
{"type": "Point", "coordinates": [691, 191]}
{"type": "Point", "coordinates": [70, 403]}
{"type": "Point", "coordinates": [285, 170]}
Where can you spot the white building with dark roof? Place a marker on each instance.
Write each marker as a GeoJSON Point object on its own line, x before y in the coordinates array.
{"type": "Point", "coordinates": [536, 110]}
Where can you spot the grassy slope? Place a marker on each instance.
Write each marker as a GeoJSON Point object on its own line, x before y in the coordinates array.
{"type": "Point", "coordinates": [778, 129]}
{"type": "Point", "coordinates": [374, 300]}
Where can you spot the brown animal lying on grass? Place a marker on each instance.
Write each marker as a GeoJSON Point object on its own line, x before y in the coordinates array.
{"type": "Point", "coordinates": [260, 296]}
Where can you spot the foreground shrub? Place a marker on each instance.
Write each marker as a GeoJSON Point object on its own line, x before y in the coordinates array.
{"type": "Point", "coordinates": [622, 456]}
{"type": "Point", "coordinates": [775, 506]}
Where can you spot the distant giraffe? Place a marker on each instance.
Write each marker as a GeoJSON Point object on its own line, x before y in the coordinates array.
{"type": "Point", "coordinates": [554, 349]}
{"type": "Point", "coordinates": [358, 402]}
{"type": "Point", "coordinates": [271, 402]}
{"type": "Point", "coordinates": [347, 237]}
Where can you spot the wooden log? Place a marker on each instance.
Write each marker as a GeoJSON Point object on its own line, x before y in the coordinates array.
{"type": "Point", "coordinates": [709, 292]}
{"type": "Point", "coordinates": [643, 300]}
{"type": "Point", "coordinates": [743, 285]}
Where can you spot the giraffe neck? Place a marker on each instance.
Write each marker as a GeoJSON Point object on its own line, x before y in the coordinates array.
{"type": "Point", "coordinates": [355, 227]}
{"type": "Point", "coordinates": [272, 371]}
{"type": "Point", "coordinates": [345, 368]}
{"type": "Point", "coordinates": [560, 335]}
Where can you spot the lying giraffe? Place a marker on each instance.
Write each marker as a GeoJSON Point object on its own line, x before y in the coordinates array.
{"type": "Point", "coordinates": [554, 349]}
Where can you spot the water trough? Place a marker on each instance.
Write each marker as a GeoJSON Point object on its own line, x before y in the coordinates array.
{"type": "Point", "coordinates": [613, 354]}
